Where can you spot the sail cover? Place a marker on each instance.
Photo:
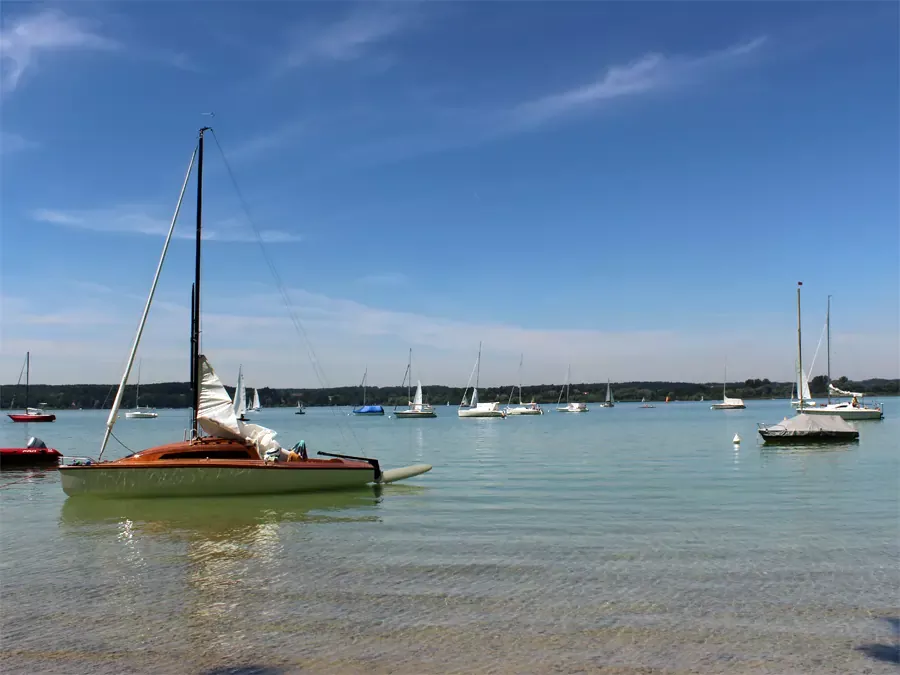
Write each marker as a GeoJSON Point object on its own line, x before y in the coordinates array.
{"type": "Point", "coordinates": [806, 425]}
{"type": "Point", "coordinates": [216, 414]}
{"type": "Point", "coordinates": [841, 392]}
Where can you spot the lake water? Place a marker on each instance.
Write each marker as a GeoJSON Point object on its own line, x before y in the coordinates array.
{"type": "Point", "coordinates": [619, 541]}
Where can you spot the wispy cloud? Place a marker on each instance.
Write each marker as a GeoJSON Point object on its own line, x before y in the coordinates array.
{"type": "Point", "coordinates": [350, 38]}
{"type": "Point", "coordinates": [137, 219]}
{"type": "Point", "coordinates": [11, 143]}
{"type": "Point", "coordinates": [651, 72]}
{"type": "Point", "coordinates": [24, 39]}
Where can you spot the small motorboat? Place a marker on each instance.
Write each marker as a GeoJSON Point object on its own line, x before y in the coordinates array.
{"type": "Point", "coordinates": [805, 428]}
{"type": "Point", "coordinates": [35, 453]}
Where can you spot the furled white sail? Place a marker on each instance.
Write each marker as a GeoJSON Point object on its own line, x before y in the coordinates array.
{"type": "Point", "coordinates": [240, 398]}
{"type": "Point", "coordinates": [804, 386]}
{"type": "Point", "coordinates": [841, 392]}
{"type": "Point", "coordinates": [417, 400]}
{"type": "Point", "coordinates": [216, 414]}
{"type": "Point", "coordinates": [256, 405]}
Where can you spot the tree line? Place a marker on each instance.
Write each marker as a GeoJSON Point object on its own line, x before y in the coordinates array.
{"type": "Point", "coordinates": [178, 395]}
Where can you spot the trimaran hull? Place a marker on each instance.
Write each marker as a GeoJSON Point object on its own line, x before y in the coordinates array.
{"type": "Point", "coordinates": [219, 479]}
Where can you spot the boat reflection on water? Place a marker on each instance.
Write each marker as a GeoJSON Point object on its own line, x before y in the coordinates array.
{"type": "Point", "coordinates": [225, 516]}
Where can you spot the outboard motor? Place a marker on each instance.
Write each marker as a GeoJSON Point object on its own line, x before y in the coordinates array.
{"type": "Point", "coordinates": [35, 442]}
{"type": "Point", "coordinates": [300, 449]}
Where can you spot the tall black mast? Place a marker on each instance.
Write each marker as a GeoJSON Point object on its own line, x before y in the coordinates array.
{"type": "Point", "coordinates": [195, 305]}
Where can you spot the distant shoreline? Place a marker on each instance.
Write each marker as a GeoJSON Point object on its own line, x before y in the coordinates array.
{"type": "Point", "coordinates": [176, 395]}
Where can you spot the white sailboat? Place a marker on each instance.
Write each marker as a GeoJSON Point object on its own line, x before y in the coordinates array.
{"type": "Point", "coordinates": [417, 407]}
{"type": "Point", "coordinates": [240, 397]}
{"type": "Point", "coordinates": [137, 413]}
{"type": "Point", "coordinates": [610, 401]}
{"type": "Point", "coordinates": [523, 408]}
{"type": "Point", "coordinates": [473, 408]}
{"type": "Point", "coordinates": [727, 402]}
{"type": "Point", "coordinates": [571, 406]}
{"type": "Point", "coordinates": [801, 386]}
{"type": "Point", "coordinates": [855, 408]}
{"type": "Point", "coordinates": [255, 406]}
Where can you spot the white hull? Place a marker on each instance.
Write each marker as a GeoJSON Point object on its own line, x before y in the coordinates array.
{"type": "Point", "coordinates": [795, 404]}
{"type": "Point", "coordinates": [193, 481]}
{"type": "Point", "coordinates": [414, 414]}
{"type": "Point", "coordinates": [727, 406]}
{"type": "Point", "coordinates": [141, 415]}
{"type": "Point", "coordinates": [524, 411]}
{"type": "Point", "coordinates": [847, 413]}
{"type": "Point", "coordinates": [475, 412]}
{"type": "Point", "coordinates": [574, 408]}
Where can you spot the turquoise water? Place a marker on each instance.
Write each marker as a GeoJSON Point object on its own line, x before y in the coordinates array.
{"type": "Point", "coordinates": [626, 540]}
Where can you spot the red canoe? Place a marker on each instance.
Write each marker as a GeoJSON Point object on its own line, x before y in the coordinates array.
{"type": "Point", "coordinates": [25, 417]}
{"type": "Point", "coordinates": [28, 456]}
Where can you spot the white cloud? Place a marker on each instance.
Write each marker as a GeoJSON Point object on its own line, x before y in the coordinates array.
{"type": "Point", "coordinates": [651, 72]}
{"type": "Point", "coordinates": [137, 219]}
{"type": "Point", "coordinates": [22, 40]}
{"type": "Point", "coordinates": [11, 143]}
{"type": "Point", "coordinates": [350, 38]}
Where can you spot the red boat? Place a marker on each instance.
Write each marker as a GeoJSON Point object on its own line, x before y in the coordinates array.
{"type": "Point", "coordinates": [30, 414]}
{"type": "Point", "coordinates": [36, 453]}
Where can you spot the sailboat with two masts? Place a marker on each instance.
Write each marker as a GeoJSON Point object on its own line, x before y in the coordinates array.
{"type": "Point", "coordinates": [366, 409]}
{"type": "Point", "coordinates": [219, 455]}
{"type": "Point", "coordinates": [473, 407]}
{"type": "Point", "coordinates": [570, 406]}
{"type": "Point", "coordinates": [138, 413]}
{"type": "Point", "coordinates": [417, 407]}
{"type": "Point", "coordinates": [523, 408]}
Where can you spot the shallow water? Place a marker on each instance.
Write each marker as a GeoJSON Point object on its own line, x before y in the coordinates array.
{"type": "Point", "coordinates": [619, 541]}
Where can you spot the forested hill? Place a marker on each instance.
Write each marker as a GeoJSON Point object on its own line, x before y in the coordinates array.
{"type": "Point", "coordinates": [177, 394]}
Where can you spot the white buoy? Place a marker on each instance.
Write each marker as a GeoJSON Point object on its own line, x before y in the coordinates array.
{"type": "Point", "coordinates": [736, 440]}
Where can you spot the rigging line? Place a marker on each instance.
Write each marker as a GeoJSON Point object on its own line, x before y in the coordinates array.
{"type": "Point", "coordinates": [285, 297]}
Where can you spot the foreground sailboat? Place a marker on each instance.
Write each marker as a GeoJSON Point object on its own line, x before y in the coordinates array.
{"type": "Point", "coordinates": [523, 408]}
{"type": "Point", "coordinates": [417, 408]}
{"type": "Point", "coordinates": [234, 457]}
{"type": "Point", "coordinates": [137, 413]}
{"type": "Point", "coordinates": [473, 408]}
{"type": "Point", "coordinates": [30, 414]}
{"type": "Point", "coordinates": [804, 428]}
{"type": "Point", "coordinates": [570, 406]}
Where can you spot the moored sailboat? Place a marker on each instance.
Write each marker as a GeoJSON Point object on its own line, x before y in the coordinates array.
{"type": "Point", "coordinates": [233, 457]}
{"type": "Point", "coordinates": [366, 409]}
{"type": "Point", "coordinates": [137, 413]}
{"type": "Point", "coordinates": [523, 408]}
{"type": "Point", "coordinates": [474, 408]}
{"type": "Point", "coordinates": [727, 403]}
{"type": "Point", "coordinates": [30, 414]}
{"type": "Point", "coordinates": [610, 400]}
{"type": "Point", "coordinates": [571, 406]}
{"type": "Point", "coordinates": [417, 408]}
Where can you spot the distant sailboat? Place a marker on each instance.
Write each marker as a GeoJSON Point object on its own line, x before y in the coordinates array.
{"type": "Point", "coordinates": [522, 409]}
{"type": "Point", "coordinates": [240, 398]}
{"type": "Point", "coordinates": [727, 403]}
{"type": "Point", "coordinates": [255, 405]}
{"type": "Point", "coordinates": [365, 409]}
{"type": "Point", "coordinates": [573, 406]}
{"type": "Point", "coordinates": [417, 408]}
{"type": "Point", "coordinates": [30, 414]}
{"type": "Point", "coordinates": [473, 408]}
{"type": "Point", "coordinates": [645, 404]}
{"type": "Point", "coordinates": [610, 401]}
{"type": "Point", "coordinates": [137, 413]}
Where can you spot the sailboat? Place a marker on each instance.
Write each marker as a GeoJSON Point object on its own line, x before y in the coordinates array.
{"type": "Point", "coordinates": [855, 408]}
{"type": "Point", "coordinates": [473, 408]}
{"type": "Point", "coordinates": [239, 403]}
{"type": "Point", "coordinates": [299, 410]}
{"type": "Point", "coordinates": [255, 406]}
{"type": "Point", "coordinates": [805, 428]}
{"type": "Point", "coordinates": [30, 414]}
{"type": "Point", "coordinates": [522, 409]}
{"type": "Point", "coordinates": [610, 401]}
{"type": "Point", "coordinates": [367, 409]}
{"type": "Point", "coordinates": [727, 403]}
{"type": "Point", "coordinates": [417, 408]}
{"type": "Point", "coordinates": [644, 403]}
{"type": "Point", "coordinates": [137, 413]}
{"type": "Point", "coordinates": [220, 454]}
{"type": "Point", "coordinates": [570, 406]}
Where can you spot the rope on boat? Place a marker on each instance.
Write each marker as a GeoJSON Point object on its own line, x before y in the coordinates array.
{"type": "Point", "coordinates": [285, 297]}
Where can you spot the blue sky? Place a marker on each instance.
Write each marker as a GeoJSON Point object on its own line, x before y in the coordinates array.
{"type": "Point", "coordinates": [633, 188]}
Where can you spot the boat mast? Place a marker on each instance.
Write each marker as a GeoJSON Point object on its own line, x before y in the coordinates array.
{"type": "Point", "coordinates": [27, 377]}
{"type": "Point", "coordinates": [521, 359]}
{"type": "Point", "coordinates": [478, 366]}
{"type": "Point", "coordinates": [409, 376]}
{"type": "Point", "coordinates": [828, 344]}
{"type": "Point", "coordinates": [799, 345]}
{"type": "Point", "coordinates": [195, 319]}
{"type": "Point", "coordinates": [137, 389]}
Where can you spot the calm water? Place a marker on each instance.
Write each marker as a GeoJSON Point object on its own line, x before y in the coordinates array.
{"type": "Point", "coordinates": [619, 541]}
